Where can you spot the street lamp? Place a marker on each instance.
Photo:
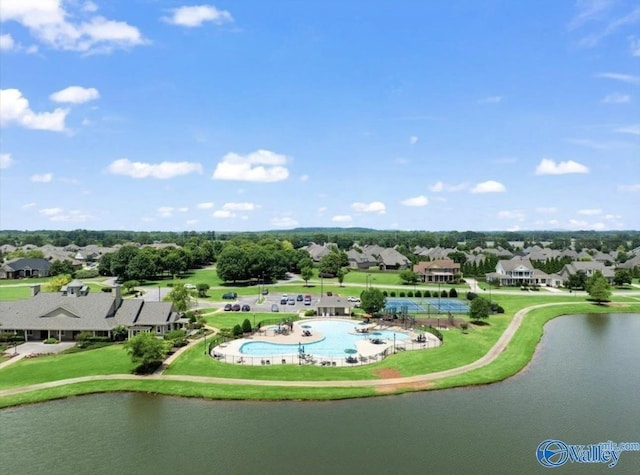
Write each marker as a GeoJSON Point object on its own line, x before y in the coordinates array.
{"type": "Point", "coordinates": [368, 277]}
{"type": "Point", "coordinates": [254, 323]}
{"type": "Point", "coordinates": [394, 343]}
{"type": "Point", "coordinates": [205, 342]}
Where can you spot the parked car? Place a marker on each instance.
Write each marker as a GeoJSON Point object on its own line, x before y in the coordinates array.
{"type": "Point", "coordinates": [291, 301]}
{"type": "Point", "coordinates": [275, 308]}
{"type": "Point", "coordinates": [236, 307]}
{"type": "Point", "coordinates": [265, 291]}
{"type": "Point", "coordinates": [189, 286]}
{"type": "Point", "coordinates": [299, 298]}
{"type": "Point", "coordinates": [284, 300]}
{"type": "Point", "coordinates": [227, 307]}
{"type": "Point", "coordinates": [246, 308]}
{"type": "Point", "coordinates": [230, 296]}
{"type": "Point", "coordinates": [307, 299]}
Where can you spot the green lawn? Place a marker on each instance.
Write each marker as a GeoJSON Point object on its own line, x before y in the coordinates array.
{"type": "Point", "coordinates": [108, 360]}
{"type": "Point", "coordinates": [24, 291]}
{"type": "Point", "coordinates": [229, 319]}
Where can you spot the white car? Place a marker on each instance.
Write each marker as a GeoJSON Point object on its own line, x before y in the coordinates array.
{"type": "Point", "coordinates": [353, 299]}
{"type": "Point", "coordinates": [189, 286]}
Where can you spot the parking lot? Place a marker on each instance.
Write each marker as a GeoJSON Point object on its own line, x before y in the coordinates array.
{"type": "Point", "coordinates": [274, 299]}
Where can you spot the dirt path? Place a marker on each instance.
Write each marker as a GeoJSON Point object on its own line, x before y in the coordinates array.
{"type": "Point", "coordinates": [422, 380]}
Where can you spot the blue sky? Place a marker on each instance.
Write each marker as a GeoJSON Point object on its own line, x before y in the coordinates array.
{"type": "Point", "coordinates": [254, 115]}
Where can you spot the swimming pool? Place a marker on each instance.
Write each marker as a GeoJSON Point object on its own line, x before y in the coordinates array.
{"type": "Point", "coordinates": [339, 340]}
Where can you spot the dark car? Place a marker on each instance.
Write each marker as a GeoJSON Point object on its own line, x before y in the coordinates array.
{"type": "Point", "coordinates": [227, 308]}
{"type": "Point", "coordinates": [246, 308]}
{"type": "Point", "coordinates": [275, 308]}
{"type": "Point", "coordinates": [299, 298]}
{"type": "Point", "coordinates": [265, 291]}
{"type": "Point", "coordinates": [229, 296]}
{"type": "Point", "coordinates": [236, 307]}
{"type": "Point", "coordinates": [283, 300]}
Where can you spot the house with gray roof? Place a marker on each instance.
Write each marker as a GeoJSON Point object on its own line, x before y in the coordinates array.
{"type": "Point", "coordinates": [63, 315]}
{"type": "Point", "coordinates": [517, 271]}
{"type": "Point", "coordinates": [22, 267]}
{"type": "Point", "coordinates": [360, 259]}
{"type": "Point", "coordinates": [588, 267]}
{"type": "Point", "coordinates": [389, 258]}
{"type": "Point", "coordinates": [440, 270]}
{"type": "Point", "coordinates": [333, 306]}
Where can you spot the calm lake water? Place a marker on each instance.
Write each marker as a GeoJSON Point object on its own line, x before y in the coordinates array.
{"type": "Point", "coordinates": [582, 387]}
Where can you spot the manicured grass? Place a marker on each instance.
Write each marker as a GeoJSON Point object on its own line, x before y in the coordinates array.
{"type": "Point", "coordinates": [189, 389]}
{"type": "Point", "coordinates": [229, 319]}
{"type": "Point", "coordinates": [109, 360]}
{"type": "Point", "coordinates": [14, 293]}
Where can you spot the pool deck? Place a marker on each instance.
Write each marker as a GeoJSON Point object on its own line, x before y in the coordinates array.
{"type": "Point", "coordinates": [366, 351]}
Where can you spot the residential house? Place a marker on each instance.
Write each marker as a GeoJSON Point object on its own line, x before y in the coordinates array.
{"type": "Point", "coordinates": [63, 315]}
{"type": "Point", "coordinates": [440, 270]}
{"type": "Point", "coordinates": [317, 251]}
{"type": "Point", "coordinates": [391, 259]}
{"type": "Point", "coordinates": [22, 267]}
{"type": "Point", "coordinates": [517, 271]}
{"type": "Point", "coordinates": [361, 260]}
{"type": "Point", "coordinates": [588, 267]}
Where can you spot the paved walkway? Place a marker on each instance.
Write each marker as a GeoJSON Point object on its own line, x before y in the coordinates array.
{"type": "Point", "coordinates": [491, 355]}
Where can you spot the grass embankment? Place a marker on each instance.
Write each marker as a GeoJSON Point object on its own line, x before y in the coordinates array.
{"type": "Point", "coordinates": [108, 360]}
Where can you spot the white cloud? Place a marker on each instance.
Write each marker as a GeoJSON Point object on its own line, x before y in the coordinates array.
{"type": "Point", "coordinates": [590, 211]}
{"type": "Point", "coordinates": [51, 211]}
{"type": "Point", "coordinates": [191, 222]}
{"type": "Point", "coordinates": [322, 210]}
{"type": "Point", "coordinates": [588, 11]}
{"type": "Point", "coordinates": [630, 129]}
{"type": "Point", "coordinates": [373, 207]}
{"type": "Point", "coordinates": [516, 214]}
{"type": "Point", "coordinates": [42, 178]}
{"type": "Point", "coordinates": [5, 160]}
{"type": "Point", "coordinates": [550, 167]}
{"type": "Point", "coordinates": [239, 206]}
{"type": "Point", "coordinates": [490, 100]}
{"type": "Point", "coordinates": [635, 188]}
{"type": "Point", "coordinates": [194, 16]}
{"type": "Point", "coordinates": [161, 171]}
{"type": "Point", "coordinates": [611, 24]}
{"type": "Point", "coordinates": [342, 218]}
{"type": "Point", "coordinates": [166, 211]}
{"type": "Point", "coordinates": [304, 178]}
{"type": "Point", "coordinates": [6, 42]}
{"type": "Point", "coordinates": [89, 7]}
{"type": "Point", "coordinates": [183, 209]}
{"type": "Point", "coordinates": [73, 216]}
{"type": "Point", "coordinates": [420, 200]}
{"type": "Point", "coordinates": [284, 222]}
{"type": "Point", "coordinates": [413, 139]}
{"type": "Point", "coordinates": [75, 95]}
{"type": "Point", "coordinates": [28, 205]}
{"type": "Point", "coordinates": [440, 186]}
{"type": "Point", "coordinates": [585, 225]}
{"type": "Point", "coordinates": [14, 109]}
{"type": "Point", "coordinates": [616, 98]}
{"type": "Point", "coordinates": [75, 30]}
{"type": "Point", "coordinates": [628, 78]}
{"type": "Point", "coordinates": [223, 213]}
{"type": "Point", "coordinates": [260, 166]}
{"type": "Point", "coordinates": [489, 186]}
{"type": "Point", "coordinates": [206, 205]}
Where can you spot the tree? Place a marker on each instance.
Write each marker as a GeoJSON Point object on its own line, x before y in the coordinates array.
{"type": "Point", "coordinates": [372, 300]}
{"type": "Point", "coordinates": [598, 288]}
{"type": "Point", "coordinates": [202, 289]}
{"type": "Point", "coordinates": [146, 350]}
{"type": "Point", "coordinates": [408, 276]}
{"type": "Point", "coordinates": [577, 280]}
{"type": "Point", "coordinates": [306, 273]}
{"type": "Point", "coordinates": [622, 276]}
{"type": "Point", "coordinates": [61, 267]}
{"type": "Point", "coordinates": [340, 276]}
{"type": "Point", "coordinates": [479, 309]}
{"type": "Point", "coordinates": [232, 264]}
{"type": "Point", "coordinates": [246, 326]}
{"type": "Point", "coordinates": [129, 285]}
{"type": "Point", "coordinates": [56, 283]}
{"type": "Point", "coordinates": [119, 333]}
{"type": "Point", "coordinates": [180, 297]}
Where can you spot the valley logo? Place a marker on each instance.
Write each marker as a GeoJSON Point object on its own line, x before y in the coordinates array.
{"type": "Point", "coordinates": [554, 453]}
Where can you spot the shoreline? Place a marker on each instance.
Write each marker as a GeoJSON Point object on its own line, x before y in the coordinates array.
{"type": "Point", "coordinates": [472, 374]}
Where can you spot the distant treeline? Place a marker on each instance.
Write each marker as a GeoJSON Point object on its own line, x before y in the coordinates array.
{"type": "Point", "coordinates": [344, 238]}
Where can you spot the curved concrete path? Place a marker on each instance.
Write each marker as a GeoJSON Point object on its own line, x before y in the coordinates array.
{"type": "Point", "coordinates": [489, 357]}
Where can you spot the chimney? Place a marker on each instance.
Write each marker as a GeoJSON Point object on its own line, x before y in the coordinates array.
{"type": "Point", "coordinates": [35, 290]}
{"type": "Point", "coordinates": [118, 291]}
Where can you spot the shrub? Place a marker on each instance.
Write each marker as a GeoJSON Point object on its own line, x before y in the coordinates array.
{"type": "Point", "coordinates": [50, 341]}
{"type": "Point", "coordinates": [246, 326]}
{"type": "Point", "coordinates": [310, 313]}
{"type": "Point", "coordinates": [464, 327]}
{"type": "Point", "coordinates": [401, 294]}
{"type": "Point", "coordinates": [86, 273]}
{"type": "Point", "coordinates": [226, 332]}
{"type": "Point", "coordinates": [237, 330]}
{"type": "Point", "coordinates": [418, 294]}
{"type": "Point", "coordinates": [434, 331]}
{"type": "Point", "coordinates": [426, 294]}
{"type": "Point", "coordinates": [495, 308]}
{"type": "Point", "coordinates": [410, 294]}
{"type": "Point", "coordinates": [392, 293]}
{"type": "Point", "coordinates": [453, 293]}
{"type": "Point", "coordinates": [106, 289]}
{"type": "Point", "coordinates": [471, 295]}
{"type": "Point", "coordinates": [444, 294]}
{"type": "Point", "coordinates": [385, 293]}
{"type": "Point", "coordinates": [175, 334]}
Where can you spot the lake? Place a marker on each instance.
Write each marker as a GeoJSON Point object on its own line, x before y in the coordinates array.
{"type": "Point", "coordinates": [582, 387]}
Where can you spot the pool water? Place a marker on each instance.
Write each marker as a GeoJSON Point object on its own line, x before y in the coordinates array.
{"type": "Point", "coordinates": [338, 337]}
